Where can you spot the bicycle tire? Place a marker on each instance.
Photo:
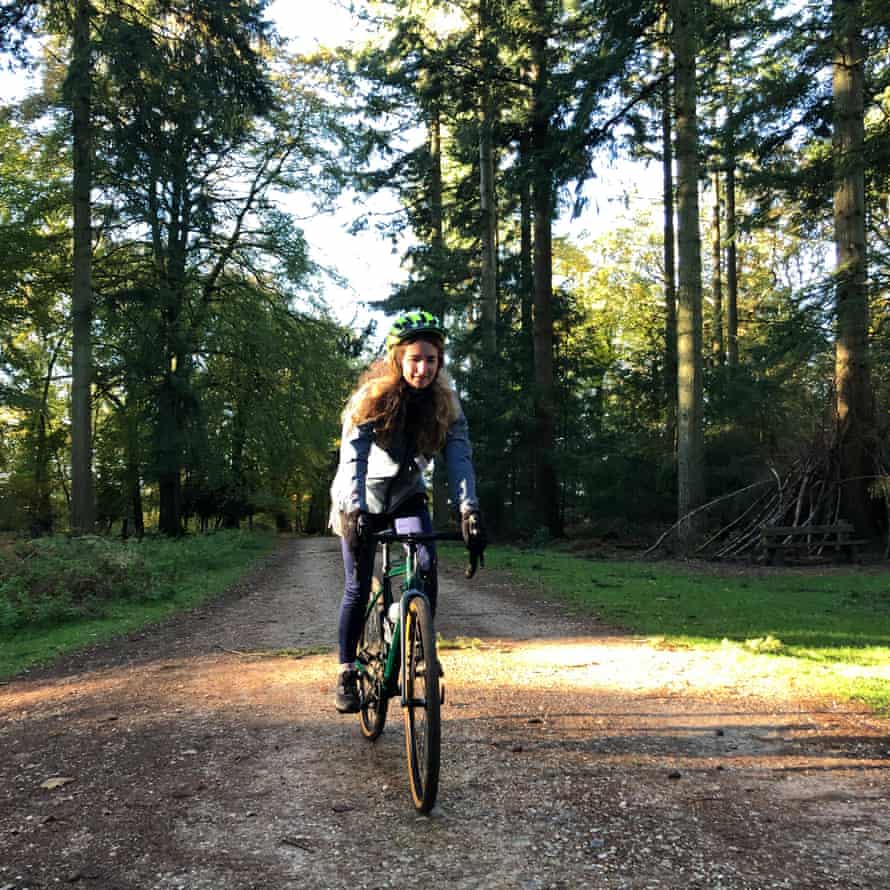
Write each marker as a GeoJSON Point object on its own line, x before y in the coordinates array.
{"type": "Point", "coordinates": [372, 655]}
{"type": "Point", "coordinates": [423, 731]}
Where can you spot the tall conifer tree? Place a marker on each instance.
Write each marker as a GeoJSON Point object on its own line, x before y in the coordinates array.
{"type": "Point", "coordinates": [80, 77]}
{"type": "Point", "coordinates": [690, 453]}
{"type": "Point", "coordinates": [854, 399]}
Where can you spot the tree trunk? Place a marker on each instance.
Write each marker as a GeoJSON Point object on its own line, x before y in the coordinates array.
{"type": "Point", "coordinates": [526, 472]}
{"type": "Point", "coordinates": [83, 502]}
{"type": "Point", "coordinates": [670, 280]}
{"type": "Point", "coordinates": [488, 207]}
{"type": "Point", "coordinates": [175, 392]}
{"type": "Point", "coordinates": [546, 485]}
{"type": "Point", "coordinates": [168, 451]}
{"type": "Point", "coordinates": [134, 506]}
{"type": "Point", "coordinates": [690, 471]}
{"type": "Point", "coordinates": [732, 271]}
{"type": "Point", "coordinates": [717, 345]}
{"type": "Point", "coordinates": [236, 507]}
{"type": "Point", "coordinates": [171, 421]}
{"type": "Point", "coordinates": [854, 404]}
{"type": "Point", "coordinates": [43, 520]}
{"type": "Point", "coordinates": [441, 509]}
{"type": "Point", "coordinates": [526, 267]}
{"type": "Point", "coordinates": [134, 523]}
{"type": "Point", "coordinates": [437, 212]}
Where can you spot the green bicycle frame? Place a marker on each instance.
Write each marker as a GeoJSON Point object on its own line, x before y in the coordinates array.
{"type": "Point", "coordinates": [395, 656]}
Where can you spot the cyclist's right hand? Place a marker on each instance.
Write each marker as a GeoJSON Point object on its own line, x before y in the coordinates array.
{"type": "Point", "coordinates": [356, 528]}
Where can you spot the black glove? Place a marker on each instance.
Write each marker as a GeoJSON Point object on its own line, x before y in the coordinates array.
{"type": "Point", "coordinates": [476, 540]}
{"type": "Point", "coordinates": [356, 528]}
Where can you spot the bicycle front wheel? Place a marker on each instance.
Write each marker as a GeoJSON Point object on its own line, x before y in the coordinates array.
{"type": "Point", "coordinates": [422, 715]}
{"type": "Point", "coordinates": [371, 658]}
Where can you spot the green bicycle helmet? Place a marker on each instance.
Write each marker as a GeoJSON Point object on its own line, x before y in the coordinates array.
{"type": "Point", "coordinates": [411, 325]}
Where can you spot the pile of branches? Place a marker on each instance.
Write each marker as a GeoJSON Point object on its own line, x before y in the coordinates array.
{"type": "Point", "coordinates": [808, 492]}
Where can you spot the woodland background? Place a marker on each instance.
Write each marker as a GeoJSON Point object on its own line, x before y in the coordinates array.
{"type": "Point", "coordinates": [710, 364]}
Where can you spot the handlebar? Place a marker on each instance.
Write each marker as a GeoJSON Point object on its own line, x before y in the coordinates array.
{"type": "Point", "coordinates": [389, 536]}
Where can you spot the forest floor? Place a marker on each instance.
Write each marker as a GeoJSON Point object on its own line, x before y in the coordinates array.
{"type": "Point", "coordinates": [198, 754]}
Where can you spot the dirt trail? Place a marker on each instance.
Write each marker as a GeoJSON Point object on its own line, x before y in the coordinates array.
{"type": "Point", "coordinates": [190, 756]}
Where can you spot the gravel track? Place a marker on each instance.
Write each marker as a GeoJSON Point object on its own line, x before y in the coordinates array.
{"type": "Point", "coordinates": [199, 755]}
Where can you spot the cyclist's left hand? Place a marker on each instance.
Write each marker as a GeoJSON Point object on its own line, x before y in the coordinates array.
{"type": "Point", "coordinates": [475, 538]}
{"type": "Point", "coordinates": [356, 528]}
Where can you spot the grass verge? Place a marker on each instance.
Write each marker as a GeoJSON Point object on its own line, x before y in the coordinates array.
{"type": "Point", "coordinates": [829, 627]}
{"type": "Point", "coordinates": [63, 595]}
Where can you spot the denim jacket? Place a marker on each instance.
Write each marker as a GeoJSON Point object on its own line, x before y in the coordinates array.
{"type": "Point", "coordinates": [370, 477]}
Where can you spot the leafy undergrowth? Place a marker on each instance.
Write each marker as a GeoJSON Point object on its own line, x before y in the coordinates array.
{"type": "Point", "coordinates": [59, 594]}
{"type": "Point", "coordinates": [829, 627]}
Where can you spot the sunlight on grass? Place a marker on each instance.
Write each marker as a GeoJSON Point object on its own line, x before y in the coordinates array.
{"type": "Point", "coordinates": [763, 645]}
{"type": "Point", "coordinates": [827, 630]}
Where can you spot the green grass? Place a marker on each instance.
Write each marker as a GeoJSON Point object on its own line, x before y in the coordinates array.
{"type": "Point", "coordinates": [60, 595]}
{"type": "Point", "coordinates": [829, 628]}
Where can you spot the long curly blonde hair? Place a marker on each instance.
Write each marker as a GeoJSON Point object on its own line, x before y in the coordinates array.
{"type": "Point", "coordinates": [387, 401]}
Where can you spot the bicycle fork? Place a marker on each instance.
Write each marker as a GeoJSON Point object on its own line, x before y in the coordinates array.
{"type": "Point", "coordinates": [397, 656]}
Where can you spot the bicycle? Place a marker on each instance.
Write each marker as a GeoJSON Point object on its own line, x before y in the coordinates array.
{"type": "Point", "coordinates": [397, 657]}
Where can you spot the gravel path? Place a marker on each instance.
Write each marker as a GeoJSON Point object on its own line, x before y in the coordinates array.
{"type": "Point", "coordinates": [198, 755]}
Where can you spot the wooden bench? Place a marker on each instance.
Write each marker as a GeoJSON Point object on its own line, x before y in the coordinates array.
{"type": "Point", "coordinates": [809, 540]}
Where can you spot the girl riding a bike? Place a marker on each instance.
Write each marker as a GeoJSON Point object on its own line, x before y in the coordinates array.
{"type": "Point", "coordinates": [404, 411]}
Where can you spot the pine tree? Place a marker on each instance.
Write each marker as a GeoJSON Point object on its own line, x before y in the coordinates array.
{"type": "Point", "coordinates": [854, 398]}
{"type": "Point", "coordinates": [80, 76]}
{"type": "Point", "coordinates": [690, 467]}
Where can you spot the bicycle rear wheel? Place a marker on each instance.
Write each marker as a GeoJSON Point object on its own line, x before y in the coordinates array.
{"type": "Point", "coordinates": [372, 657]}
{"type": "Point", "coordinates": [422, 715]}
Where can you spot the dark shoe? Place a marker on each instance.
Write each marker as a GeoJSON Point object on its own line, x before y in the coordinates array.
{"type": "Point", "coordinates": [346, 700]}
